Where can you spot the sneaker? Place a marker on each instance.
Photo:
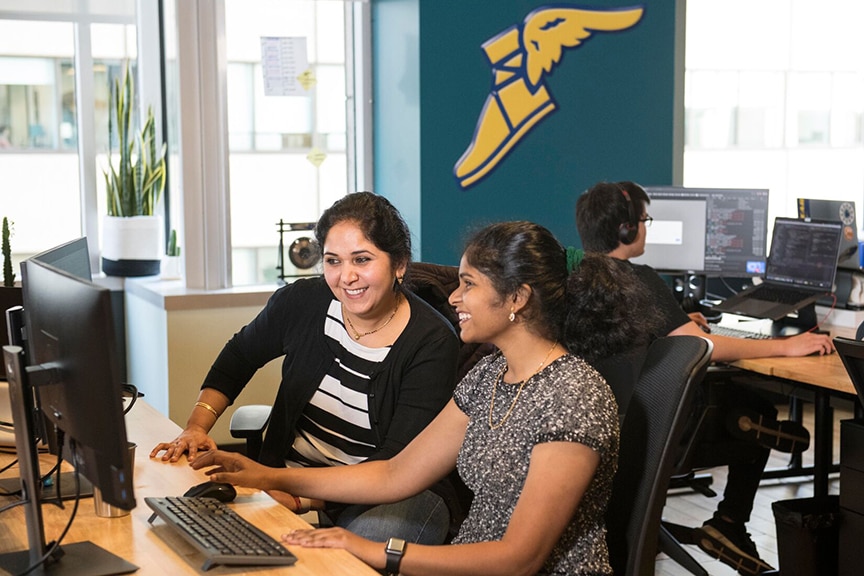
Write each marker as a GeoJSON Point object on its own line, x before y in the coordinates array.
{"type": "Point", "coordinates": [783, 436]}
{"type": "Point", "coordinates": [730, 543]}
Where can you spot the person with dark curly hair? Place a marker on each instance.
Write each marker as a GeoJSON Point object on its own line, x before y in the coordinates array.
{"type": "Point", "coordinates": [532, 428]}
{"type": "Point", "coordinates": [366, 365]}
{"type": "Point", "coordinates": [611, 219]}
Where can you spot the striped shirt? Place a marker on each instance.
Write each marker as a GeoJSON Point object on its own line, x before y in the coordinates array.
{"type": "Point", "coordinates": [335, 427]}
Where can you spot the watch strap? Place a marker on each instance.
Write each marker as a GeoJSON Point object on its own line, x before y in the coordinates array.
{"type": "Point", "coordinates": [394, 549]}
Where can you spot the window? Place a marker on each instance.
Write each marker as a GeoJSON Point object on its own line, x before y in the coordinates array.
{"type": "Point", "coordinates": [271, 137]}
{"type": "Point", "coordinates": [779, 104]}
{"type": "Point", "coordinates": [50, 70]}
{"type": "Point", "coordinates": [58, 61]}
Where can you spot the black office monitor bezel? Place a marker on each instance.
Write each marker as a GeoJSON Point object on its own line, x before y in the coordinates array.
{"type": "Point", "coordinates": [73, 363]}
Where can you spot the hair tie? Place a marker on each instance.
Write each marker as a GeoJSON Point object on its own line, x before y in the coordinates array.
{"type": "Point", "coordinates": [574, 258]}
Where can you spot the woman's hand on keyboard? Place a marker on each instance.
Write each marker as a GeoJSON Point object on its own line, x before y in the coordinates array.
{"type": "Point", "coordinates": [372, 553]}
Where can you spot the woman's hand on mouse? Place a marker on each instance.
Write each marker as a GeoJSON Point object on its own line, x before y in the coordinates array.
{"type": "Point", "coordinates": [193, 439]}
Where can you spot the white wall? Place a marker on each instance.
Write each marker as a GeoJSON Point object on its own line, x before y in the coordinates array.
{"type": "Point", "coordinates": [170, 351]}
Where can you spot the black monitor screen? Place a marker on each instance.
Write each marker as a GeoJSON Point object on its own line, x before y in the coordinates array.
{"type": "Point", "coordinates": [72, 358]}
{"type": "Point", "coordinates": [711, 231]}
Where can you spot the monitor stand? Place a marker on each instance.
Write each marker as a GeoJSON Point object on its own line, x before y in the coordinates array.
{"type": "Point", "coordinates": [78, 559]}
{"type": "Point", "coordinates": [10, 486]}
{"type": "Point", "coordinates": [75, 559]}
{"type": "Point", "coordinates": [803, 321]}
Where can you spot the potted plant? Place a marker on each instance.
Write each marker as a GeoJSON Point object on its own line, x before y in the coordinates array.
{"type": "Point", "coordinates": [132, 232]}
{"type": "Point", "coordinates": [10, 294]}
{"type": "Point", "coordinates": [171, 263]}
{"type": "Point", "coordinates": [8, 274]}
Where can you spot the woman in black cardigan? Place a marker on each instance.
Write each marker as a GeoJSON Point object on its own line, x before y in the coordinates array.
{"type": "Point", "coordinates": [367, 365]}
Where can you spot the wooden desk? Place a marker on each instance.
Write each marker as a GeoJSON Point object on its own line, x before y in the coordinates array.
{"type": "Point", "coordinates": [139, 542]}
{"type": "Point", "coordinates": [825, 376]}
{"type": "Point", "coordinates": [820, 372]}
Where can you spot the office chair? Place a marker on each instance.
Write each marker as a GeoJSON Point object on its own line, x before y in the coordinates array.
{"type": "Point", "coordinates": [851, 352]}
{"type": "Point", "coordinates": [651, 434]}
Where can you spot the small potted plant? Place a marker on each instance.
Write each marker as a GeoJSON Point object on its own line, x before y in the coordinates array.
{"type": "Point", "coordinates": [132, 232]}
{"type": "Point", "coordinates": [171, 263]}
{"type": "Point", "coordinates": [8, 274]}
{"type": "Point", "coordinates": [10, 293]}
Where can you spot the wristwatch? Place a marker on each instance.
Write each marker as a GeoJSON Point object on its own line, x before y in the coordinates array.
{"type": "Point", "coordinates": [394, 549]}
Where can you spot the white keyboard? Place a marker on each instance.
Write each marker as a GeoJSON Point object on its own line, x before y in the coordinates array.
{"type": "Point", "coordinates": [736, 333]}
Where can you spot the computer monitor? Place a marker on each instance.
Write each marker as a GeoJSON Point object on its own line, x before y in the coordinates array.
{"type": "Point", "coordinates": [72, 364]}
{"type": "Point", "coordinates": [72, 257]}
{"type": "Point", "coordinates": [837, 210]}
{"type": "Point", "coordinates": [718, 232]}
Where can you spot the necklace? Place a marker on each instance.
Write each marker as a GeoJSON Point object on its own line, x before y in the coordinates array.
{"type": "Point", "coordinates": [500, 377]}
{"type": "Point", "coordinates": [357, 335]}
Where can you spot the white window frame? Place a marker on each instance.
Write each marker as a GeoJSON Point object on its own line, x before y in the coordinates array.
{"type": "Point", "coordinates": [202, 64]}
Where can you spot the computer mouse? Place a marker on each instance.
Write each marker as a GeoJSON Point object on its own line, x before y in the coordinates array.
{"type": "Point", "coordinates": [221, 491]}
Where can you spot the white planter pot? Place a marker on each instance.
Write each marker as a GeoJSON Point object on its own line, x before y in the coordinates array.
{"type": "Point", "coordinates": [132, 246]}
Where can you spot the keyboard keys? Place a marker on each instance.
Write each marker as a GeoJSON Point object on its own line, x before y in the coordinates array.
{"type": "Point", "coordinates": [222, 535]}
{"type": "Point", "coordinates": [736, 333]}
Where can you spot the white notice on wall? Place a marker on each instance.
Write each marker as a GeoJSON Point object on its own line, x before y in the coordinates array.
{"type": "Point", "coordinates": [283, 60]}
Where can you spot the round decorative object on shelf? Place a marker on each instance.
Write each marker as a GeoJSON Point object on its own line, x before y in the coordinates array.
{"type": "Point", "coordinates": [303, 253]}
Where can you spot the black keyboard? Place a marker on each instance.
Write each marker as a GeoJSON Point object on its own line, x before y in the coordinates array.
{"type": "Point", "coordinates": [222, 535]}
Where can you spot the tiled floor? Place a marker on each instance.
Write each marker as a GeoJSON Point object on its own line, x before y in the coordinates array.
{"type": "Point", "coordinates": [692, 509]}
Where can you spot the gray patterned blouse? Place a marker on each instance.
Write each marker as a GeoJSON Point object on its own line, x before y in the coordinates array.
{"type": "Point", "coordinates": [566, 401]}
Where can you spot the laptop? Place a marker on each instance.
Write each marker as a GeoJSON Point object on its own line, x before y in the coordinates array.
{"type": "Point", "coordinates": [801, 267]}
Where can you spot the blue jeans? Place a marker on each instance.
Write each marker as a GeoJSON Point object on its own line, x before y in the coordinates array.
{"type": "Point", "coordinates": [421, 519]}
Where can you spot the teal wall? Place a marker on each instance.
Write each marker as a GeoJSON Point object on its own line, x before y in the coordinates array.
{"type": "Point", "coordinates": [615, 97]}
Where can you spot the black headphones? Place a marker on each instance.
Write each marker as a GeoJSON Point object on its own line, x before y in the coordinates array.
{"type": "Point", "coordinates": [627, 230]}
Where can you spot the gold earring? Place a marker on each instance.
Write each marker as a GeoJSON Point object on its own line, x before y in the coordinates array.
{"type": "Point", "coordinates": [512, 316]}
{"type": "Point", "coordinates": [399, 279]}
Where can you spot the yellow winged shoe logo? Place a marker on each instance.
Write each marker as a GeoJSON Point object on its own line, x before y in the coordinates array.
{"type": "Point", "coordinates": [520, 57]}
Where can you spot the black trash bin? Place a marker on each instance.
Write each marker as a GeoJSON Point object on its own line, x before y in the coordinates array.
{"type": "Point", "coordinates": [807, 535]}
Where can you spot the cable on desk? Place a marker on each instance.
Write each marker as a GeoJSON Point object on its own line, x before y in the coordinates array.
{"type": "Point", "coordinates": [54, 546]}
{"type": "Point", "coordinates": [8, 466]}
{"type": "Point", "coordinates": [830, 310]}
{"type": "Point", "coordinates": [12, 505]}
{"type": "Point", "coordinates": [43, 480]}
{"type": "Point", "coordinates": [132, 391]}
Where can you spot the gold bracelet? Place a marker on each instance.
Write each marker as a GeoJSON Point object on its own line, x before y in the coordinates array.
{"type": "Point", "coordinates": [208, 407]}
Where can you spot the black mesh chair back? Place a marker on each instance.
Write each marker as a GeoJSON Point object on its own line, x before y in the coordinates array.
{"type": "Point", "coordinates": [651, 434]}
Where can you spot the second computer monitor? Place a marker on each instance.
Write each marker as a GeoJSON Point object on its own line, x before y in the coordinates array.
{"type": "Point", "coordinates": [709, 231]}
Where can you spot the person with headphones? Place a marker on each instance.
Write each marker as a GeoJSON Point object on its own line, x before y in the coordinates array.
{"type": "Point", "coordinates": [611, 218]}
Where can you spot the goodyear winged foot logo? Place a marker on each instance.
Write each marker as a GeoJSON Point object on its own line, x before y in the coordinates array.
{"type": "Point", "coordinates": [520, 57]}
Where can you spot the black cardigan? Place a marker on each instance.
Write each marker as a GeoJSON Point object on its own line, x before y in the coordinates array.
{"type": "Point", "coordinates": [411, 386]}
